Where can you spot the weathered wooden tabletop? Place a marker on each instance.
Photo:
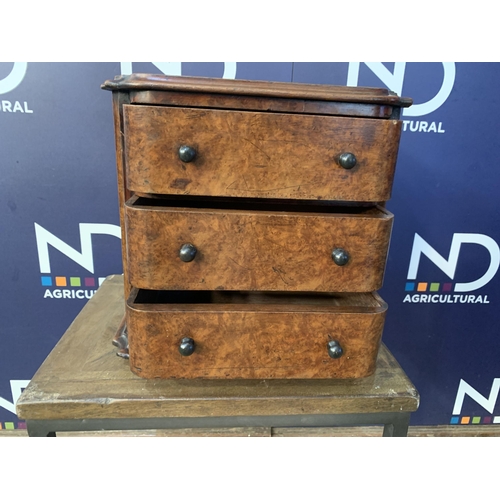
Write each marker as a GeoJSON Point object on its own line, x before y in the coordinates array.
{"type": "Point", "coordinates": [83, 378]}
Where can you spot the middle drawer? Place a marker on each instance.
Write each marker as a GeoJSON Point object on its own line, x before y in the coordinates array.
{"type": "Point", "coordinates": [171, 246]}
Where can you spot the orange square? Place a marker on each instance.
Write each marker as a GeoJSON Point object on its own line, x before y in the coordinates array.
{"type": "Point", "coordinates": [60, 281]}
{"type": "Point", "coordinates": [465, 420]}
{"type": "Point", "coordinates": [421, 287]}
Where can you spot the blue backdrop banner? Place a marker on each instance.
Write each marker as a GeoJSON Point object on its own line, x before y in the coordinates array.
{"type": "Point", "coordinates": [60, 226]}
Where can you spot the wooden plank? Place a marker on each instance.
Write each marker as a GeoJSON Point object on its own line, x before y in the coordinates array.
{"type": "Point", "coordinates": [376, 431]}
{"type": "Point", "coordinates": [218, 432]}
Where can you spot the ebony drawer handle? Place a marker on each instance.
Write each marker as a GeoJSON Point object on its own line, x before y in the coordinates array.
{"type": "Point", "coordinates": [186, 347]}
{"type": "Point", "coordinates": [340, 256]}
{"type": "Point", "coordinates": [335, 351]}
{"type": "Point", "coordinates": [347, 160]}
{"type": "Point", "coordinates": [187, 153]}
{"type": "Point", "coordinates": [187, 253]}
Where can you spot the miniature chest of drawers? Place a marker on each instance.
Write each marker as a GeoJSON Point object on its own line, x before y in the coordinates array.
{"type": "Point", "coordinates": [254, 236]}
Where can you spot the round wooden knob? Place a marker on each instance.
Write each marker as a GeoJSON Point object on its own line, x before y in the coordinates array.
{"type": "Point", "coordinates": [347, 160]}
{"type": "Point", "coordinates": [340, 256]}
{"type": "Point", "coordinates": [186, 347]}
{"type": "Point", "coordinates": [335, 351]}
{"type": "Point", "coordinates": [187, 153]}
{"type": "Point", "coordinates": [187, 252]}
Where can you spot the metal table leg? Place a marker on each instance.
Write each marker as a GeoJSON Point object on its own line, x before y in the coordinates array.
{"type": "Point", "coordinates": [395, 424]}
{"type": "Point", "coordinates": [398, 427]}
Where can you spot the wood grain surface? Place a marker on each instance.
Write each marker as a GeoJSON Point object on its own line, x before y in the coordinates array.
{"type": "Point", "coordinates": [255, 336]}
{"type": "Point", "coordinates": [83, 378]}
{"type": "Point", "coordinates": [255, 250]}
{"type": "Point", "coordinates": [259, 155]}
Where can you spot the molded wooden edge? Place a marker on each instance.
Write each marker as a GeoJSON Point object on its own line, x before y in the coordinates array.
{"type": "Point", "coordinates": [368, 95]}
{"type": "Point", "coordinates": [155, 408]}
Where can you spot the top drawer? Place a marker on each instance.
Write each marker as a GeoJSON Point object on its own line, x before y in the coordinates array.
{"type": "Point", "coordinates": [259, 154]}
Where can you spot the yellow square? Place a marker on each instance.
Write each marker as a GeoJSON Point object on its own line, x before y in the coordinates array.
{"type": "Point", "coordinates": [465, 420]}
{"type": "Point", "coordinates": [60, 281]}
{"type": "Point", "coordinates": [422, 287]}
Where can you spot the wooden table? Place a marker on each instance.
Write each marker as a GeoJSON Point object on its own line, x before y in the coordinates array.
{"type": "Point", "coordinates": [84, 386]}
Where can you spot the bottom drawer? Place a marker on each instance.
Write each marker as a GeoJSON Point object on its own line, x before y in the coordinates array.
{"type": "Point", "coordinates": [204, 334]}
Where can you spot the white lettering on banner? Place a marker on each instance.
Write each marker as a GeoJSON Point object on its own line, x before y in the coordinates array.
{"type": "Point", "coordinates": [394, 81]}
{"type": "Point", "coordinates": [420, 246]}
{"type": "Point", "coordinates": [422, 126]}
{"type": "Point", "coordinates": [14, 78]}
{"type": "Point", "coordinates": [8, 107]}
{"type": "Point", "coordinates": [175, 69]}
{"type": "Point", "coordinates": [487, 403]}
{"type": "Point", "coordinates": [85, 258]}
{"type": "Point", "coordinates": [446, 299]}
{"type": "Point", "coordinates": [16, 388]}
{"type": "Point", "coordinates": [68, 294]}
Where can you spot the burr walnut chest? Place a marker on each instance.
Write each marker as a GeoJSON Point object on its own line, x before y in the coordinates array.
{"type": "Point", "coordinates": [254, 233]}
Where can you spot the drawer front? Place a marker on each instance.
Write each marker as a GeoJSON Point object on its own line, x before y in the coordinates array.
{"type": "Point", "coordinates": [255, 250]}
{"type": "Point", "coordinates": [259, 155]}
{"type": "Point", "coordinates": [255, 340]}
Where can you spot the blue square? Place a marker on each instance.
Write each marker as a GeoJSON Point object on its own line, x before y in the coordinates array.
{"type": "Point", "coordinates": [454, 420]}
{"type": "Point", "coordinates": [410, 287]}
{"type": "Point", "coordinates": [46, 281]}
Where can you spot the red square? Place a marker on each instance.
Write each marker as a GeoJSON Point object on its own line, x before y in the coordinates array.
{"type": "Point", "coordinates": [447, 287]}
{"type": "Point", "coordinates": [89, 282]}
{"type": "Point", "coordinates": [487, 420]}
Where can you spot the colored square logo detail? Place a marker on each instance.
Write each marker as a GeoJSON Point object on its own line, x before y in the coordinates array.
{"type": "Point", "coordinates": [101, 281]}
{"type": "Point", "coordinates": [60, 281]}
{"type": "Point", "coordinates": [454, 420]}
{"type": "Point", "coordinates": [447, 287]}
{"type": "Point", "coordinates": [487, 420]}
{"type": "Point", "coordinates": [434, 287]}
{"type": "Point", "coordinates": [476, 420]}
{"type": "Point", "coordinates": [21, 425]}
{"type": "Point", "coordinates": [422, 287]}
{"type": "Point", "coordinates": [75, 282]}
{"type": "Point", "coordinates": [89, 282]}
{"type": "Point", "coordinates": [496, 420]}
{"type": "Point", "coordinates": [46, 281]}
{"type": "Point", "coordinates": [1, 425]}
{"type": "Point", "coordinates": [465, 420]}
{"type": "Point", "coordinates": [410, 287]}
{"type": "Point", "coordinates": [9, 426]}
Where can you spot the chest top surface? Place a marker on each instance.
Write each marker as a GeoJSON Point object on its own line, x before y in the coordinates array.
{"type": "Point", "coordinates": [149, 82]}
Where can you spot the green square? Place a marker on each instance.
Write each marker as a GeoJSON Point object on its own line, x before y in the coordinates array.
{"type": "Point", "coordinates": [434, 287]}
{"type": "Point", "coordinates": [75, 282]}
{"type": "Point", "coordinates": [476, 420]}
{"type": "Point", "coordinates": [9, 425]}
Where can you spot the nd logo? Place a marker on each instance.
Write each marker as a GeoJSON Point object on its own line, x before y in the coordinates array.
{"type": "Point", "coordinates": [84, 258]}
{"type": "Point", "coordinates": [449, 266]}
{"type": "Point", "coordinates": [14, 78]}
